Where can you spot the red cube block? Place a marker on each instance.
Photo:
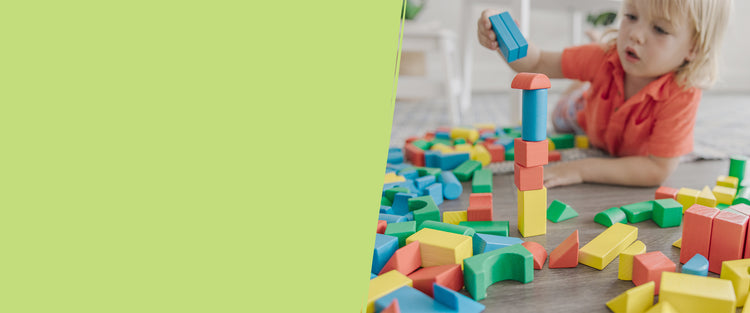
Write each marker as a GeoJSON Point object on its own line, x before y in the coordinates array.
{"type": "Point", "coordinates": [554, 156]}
{"type": "Point", "coordinates": [665, 192]}
{"type": "Point", "coordinates": [649, 266]}
{"type": "Point", "coordinates": [528, 178]}
{"type": "Point", "coordinates": [497, 152]}
{"type": "Point", "coordinates": [696, 231]}
{"type": "Point", "coordinates": [480, 207]}
{"type": "Point", "coordinates": [727, 239]}
{"type": "Point", "coordinates": [531, 153]}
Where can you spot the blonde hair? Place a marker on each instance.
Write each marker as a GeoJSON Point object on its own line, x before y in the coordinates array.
{"type": "Point", "coordinates": [708, 20]}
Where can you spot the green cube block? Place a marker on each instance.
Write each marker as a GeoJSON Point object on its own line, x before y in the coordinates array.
{"type": "Point", "coordinates": [737, 166]}
{"type": "Point", "coordinates": [564, 141]}
{"type": "Point", "coordinates": [510, 154]}
{"type": "Point", "coordinates": [482, 181]}
{"type": "Point", "coordinates": [450, 228]}
{"type": "Point", "coordinates": [558, 212]}
{"type": "Point", "coordinates": [638, 212]}
{"type": "Point", "coordinates": [421, 144]}
{"type": "Point", "coordinates": [497, 228]}
{"type": "Point", "coordinates": [667, 213]}
{"type": "Point", "coordinates": [401, 231]}
{"type": "Point", "coordinates": [610, 217]}
{"type": "Point", "coordinates": [465, 171]}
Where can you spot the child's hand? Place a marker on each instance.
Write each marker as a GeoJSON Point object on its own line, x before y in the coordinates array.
{"type": "Point", "coordinates": [484, 30]}
{"type": "Point", "coordinates": [562, 174]}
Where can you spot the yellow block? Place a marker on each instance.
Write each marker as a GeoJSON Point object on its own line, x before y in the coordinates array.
{"type": "Point", "coordinates": [687, 197]}
{"type": "Point", "coordinates": [465, 133]}
{"type": "Point", "coordinates": [454, 217]}
{"type": "Point", "coordinates": [582, 141]}
{"type": "Point", "coordinates": [625, 269]}
{"type": "Point", "coordinates": [728, 181]}
{"type": "Point", "coordinates": [383, 285]}
{"type": "Point", "coordinates": [706, 197]}
{"type": "Point", "coordinates": [678, 243]}
{"type": "Point", "coordinates": [724, 195]}
{"type": "Point", "coordinates": [393, 178]}
{"type": "Point", "coordinates": [551, 144]}
{"type": "Point", "coordinates": [442, 148]}
{"type": "Point", "coordinates": [746, 309]}
{"type": "Point", "coordinates": [662, 307]}
{"type": "Point", "coordinates": [489, 126]}
{"type": "Point", "coordinates": [697, 294]}
{"type": "Point", "coordinates": [441, 248]}
{"type": "Point", "coordinates": [481, 154]}
{"type": "Point", "coordinates": [601, 250]}
{"type": "Point", "coordinates": [532, 212]}
{"type": "Point", "coordinates": [634, 300]}
{"type": "Point", "coordinates": [464, 147]}
{"type": "Point", "coordinates": [736, 271]}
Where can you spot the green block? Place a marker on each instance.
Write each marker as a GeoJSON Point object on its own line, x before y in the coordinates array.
{"type": "Point", "coordinates": [558, 212]}
{"type": "Point", "coordinates": [722, 206]}
{"type": "Point", "coordinates": [391, 193]}
{"type": "Point", "coordinates": [498, 228]}
{"type": "Point", "coordinates": [638, 212]}
{"type": "Point", "coordinates": [482, 181]}
{"type": "Point", "coordinates": [480, 271]}
{"type": "Point", "coordinates": [564, 141]}
{"type": "Point", "coordinates": [510, 154]}
{"type": "Point", "coordinates": [426, 171]}
{"type": "Point", "coordinates": [611, 216]}
{"type": "Point", "coordinates": [667, 213]}
{"type": "Point", "coordinates": [401, 231]}
{"type": "Point", "coordinates": [424, 209]}
{"type": "Point", "coordinates": [459, 141]}
{"type": "Point", "coordinates": [450, 228]}
{"type": "Point", "coordinates": [743, 196]}
{"type": "Point", "coordinates": [421, 144]}
{"type": "Point", "coordinates": [737, 166]}
{"type": "Point", "coordinates": [479, 141]}
{"type": "Point", "coordinates": [466, 170]}
{"type": "Point", "coordinates": [385, 201]}
{"type": "Point", "coordinates": [406, 169]}
{"type": "Point", "coordinates": [514, 133]}
{"type": "Point", "coordinates": [443, 141]}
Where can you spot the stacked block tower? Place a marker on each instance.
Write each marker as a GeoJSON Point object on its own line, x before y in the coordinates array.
{"type": "Point", "coordinates": [531, 154]}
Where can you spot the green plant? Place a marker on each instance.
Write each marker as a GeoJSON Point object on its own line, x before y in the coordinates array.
{"type": "Point", "coordinates": [603, 19]}
{"type": "Point", "coordinates": [411, 8]}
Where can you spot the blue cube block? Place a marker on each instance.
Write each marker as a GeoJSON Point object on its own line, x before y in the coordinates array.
{"type": "Point", "coordinates": [534, 115]}
{"type": "Point", "coordinates": [395, 157]}
{"type": "Point", "coordinates": [385, 246]}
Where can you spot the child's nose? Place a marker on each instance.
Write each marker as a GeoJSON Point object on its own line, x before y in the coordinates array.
{"type": "Point", "coordinates": [637, 33]}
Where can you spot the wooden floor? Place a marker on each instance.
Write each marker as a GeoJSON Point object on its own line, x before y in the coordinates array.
{"type": "Point", "coordinates": [582, 289]}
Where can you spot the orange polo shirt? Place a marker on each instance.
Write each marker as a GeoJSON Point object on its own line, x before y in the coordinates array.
{"type": "Point", "coordinates": [658, 120]}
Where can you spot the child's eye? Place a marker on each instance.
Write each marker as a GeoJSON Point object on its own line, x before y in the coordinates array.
{"type": "Point", "coordinates": [631, 17]}
{"type": "Point", "coordinates": [660, 30]}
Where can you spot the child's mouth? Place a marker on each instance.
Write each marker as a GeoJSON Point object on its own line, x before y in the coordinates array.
{"type": "Point", "coordinates": [631, 56]}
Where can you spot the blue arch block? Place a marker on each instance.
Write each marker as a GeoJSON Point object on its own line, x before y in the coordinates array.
{"type": "Point", "coordinates": [534, 115]}
{"type": "Point", "coordinates": [697, 265]}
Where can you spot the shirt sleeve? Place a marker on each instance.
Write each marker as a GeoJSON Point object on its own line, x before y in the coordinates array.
{"type": "Point", "coordinates": [582, 62]}
{"type": "Point", "coordinates": [672, 135]}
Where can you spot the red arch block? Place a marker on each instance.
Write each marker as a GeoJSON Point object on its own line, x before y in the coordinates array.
{"type": "Point", "coordinates": [530, 81]}
{"type": "Point", "coordinates": [537, 250]}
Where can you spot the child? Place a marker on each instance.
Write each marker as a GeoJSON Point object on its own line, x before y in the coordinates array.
{"type": "Point", "coordinates": [644, 88]}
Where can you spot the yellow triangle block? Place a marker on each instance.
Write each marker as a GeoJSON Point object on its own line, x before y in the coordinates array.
{"type": "Point", "coordinates": [678, 243]}
{"type": "Point", "coordinates": [634, 300]}
{"type": "Point", "coordinates": [662, 307]}
{"type": "Point", "coordinates": [706, 197]}
{"type": "Point", "coordinates": [737, 272]}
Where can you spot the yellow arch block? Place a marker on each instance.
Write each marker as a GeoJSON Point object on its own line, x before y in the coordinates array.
{"type": "Point", "coordinates": [697, 294]}
{"type": "Point", "coordinates": [601, 250]}
{"type": "Point", "coordinates": [440, 248]}
{"type": "Point", "coordinates": [634, 300]}
{"type": "Point", "coordinates": [625, 269]}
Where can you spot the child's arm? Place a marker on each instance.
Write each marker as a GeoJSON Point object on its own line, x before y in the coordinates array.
{"type": "Point", "coordinates": [628, 171]}
{"type": "Point", "coordinates": [536, 61]}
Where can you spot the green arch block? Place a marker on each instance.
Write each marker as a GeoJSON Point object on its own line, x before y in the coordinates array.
{"type": "Point", "coordinates": [482, 270]}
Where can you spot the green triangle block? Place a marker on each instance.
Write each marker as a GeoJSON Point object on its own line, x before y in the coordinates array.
{"type": "Point", "coordinates": [558, 212]}
{"type": "Point", "coordinates": [610, 217]}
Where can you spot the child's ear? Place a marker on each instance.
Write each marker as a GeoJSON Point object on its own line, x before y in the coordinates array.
{"type": "Point", "coordinates": [691, 55]}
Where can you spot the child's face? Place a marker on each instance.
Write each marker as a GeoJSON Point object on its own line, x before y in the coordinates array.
{"type": "Point", "coordinates": [650, 46]}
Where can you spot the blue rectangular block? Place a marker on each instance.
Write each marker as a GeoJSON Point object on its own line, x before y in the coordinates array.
{"type": "Point", "coordinates": [386, 209]}
{"type": "Point", "coordinates": [505, 40]}
{"type": "Point", "coordinates": [424, 181]}
{"type": "Point", "coordinates": [385, 246]}
{"type": "Point", "coordinates": [523, 46]}
{"type": "Point", "coordinates": [443, 135]}
{"type": "Point", "coordinates": [432, 158]}
{"type": "Point", "coordinates": [450, 161]}
{"type": "Point", "coordinates": [534, 115]}
{"type": "Point", "coordinates": [485, 243]}
{"type": "Point", "coordinates": [392, 218]}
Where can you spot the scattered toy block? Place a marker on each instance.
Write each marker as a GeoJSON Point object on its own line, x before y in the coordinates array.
{"type": "Point", "coordinates": [414, 154]}
{"type": "Point", "coordinates": [706, 197]}
{"type": "Point", "coordinates": [482, 182]}
{"type": "Point", "coordinates": [697, 265]}
{"type": "Point", "coordinates": [662, 307]}
{"type": "Point", "coordinates": [452, 188]}
{"type": "Point", "coordinates": [405, 260]}
{"type": "Point", "coordinates": [498, 228]}
{"type": "Point", "coordinates": [724, 195]}
{"type": "Point", "coordinates": [451, 160]}
{"type": "Point", "coordinates": [532, 212]}
{"type": "Point", "coordinates": [435, 191]}
{"type": "Point", "coordinates": [440, 248]}
{"type": "Point", "coordinates": [385, 246]}
{"type": "Point", "coordinates": [611, 216]}
{"type": "Point", "coordinates": [451, 228]}
{"type": "Point", "coordinates": [636, 299]}
{"type": "Point", "coordinates": [401, 202]}
{"type": "Point", "coordinates": [667, 213]}
{"type": "Point", "coordinates": [385, 201]}
{"type": "Point", "coordinates": [480, 271]}
{"type": "Point", "coordinates": [528, 178]}
{"type": "Point", "coordinates": [728, 235]}
{"type": "Point", "coordinates": [638, 212]}
{"type": "Point", "coordinates": [582, 141]}
{"type": "Point", "coordinates": [383, 285]}
{"type": "Point", "coordinates": [696, 231]}
{"type": "Point", "coordinates": [505, 41]}
{"type": "Point", "coordinates": [728, 181]}
{"type": "Point", "coordinates": [386, 209]}
{"type": "Point", "coordinates": [563, 141]}
{"type": "Point", "coordinates": [649, 267]}
{"type": "Point", "coordinates": [480, 153]}
{"type": "Point", "coordinates": [736, 271]}
{"type": "Point", "coordinates": [390, 194]}
{"type": "Point", "coordinates": [381, 226]}
{"type": "Point", "coordinates": [468, 134]}
{"type": "Point", "coordinates": [741, 208]}
{"type": "Point", "coordinates": [391, 218]}
{"type": "Point", "coordinates": [497, 152]}
{"type": "Point", "coordinates": [392, 308]}
{"type": "Point", "coordinates": [410, 300]}
{"type": "Point", "coordinates": [566, 254]}
{"type": "Point", "coordinates": [742, 196]}
{"type": "Point", "coordinates": [554, 156]}
{"type": "Point", "coordinates": [401, 231]}
{"type": "Point", "coordinates": [531, 153]}
{"type": "Point", "coordinates": [665, 192]}
{"type": "Point", "coordinates": [530, 81]}
{"type": "Point", "coordinates": [424, 181]}
{"type": "Point", "coordinates": [392, 177]}
{"type": "Point", "coordinates": [449, 275]}
{"type": "Point", "coordinates": [454, 217]}
{"type": "Point", "coordinates": [625, 269]}
{"type": "Point", "coordinates": [601, 250]}
{"type": "Point", "coordinates": [482, 243]}
{"type": "Point", "coordinates": [466, 170]}
{"type": "Point", "coordinates": [697, 294]}
{"type": "Point", "coordinates": [559, 211]}
{"type": "Point", "coordinates": [425, 171]}
{"type": "Point", "coordinates": [678, 243]}
{"type": "Point", "coordinates": [480, 207]}
{"type": "Point", "coordinates": [455, 301]}
{"type": "Point", "coordinates": [510, 24]}
{"type": "Point", "coordinates": [687, 197]}
{"type": "Point", "coordinates": [509, 154]}
{"type": "Point", "coordinates": [424, 209]}
{"type": "Point", "coordinates": [737, 167]}
{"type": "Point", "coordinates": [538, 251]}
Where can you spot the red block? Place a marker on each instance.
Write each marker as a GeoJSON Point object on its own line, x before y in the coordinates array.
{"type": "Point", "coordinates": [528, 178]}
{"type": "Point", "coordinates": [727, 239]}
{"type": "Point", "coordinates": [489, 140]}
{"type": "Point", "coordinates": [449, 276]}
{"type": "Point", "coordinates": [554, 156]}
{"type": "Point", "coordinates": [696, 231]}
{"type": "Point", "coordinates": [742, 208]}
{"type": "Point", "coordinates": [537, 250]}
{"type": "Point", "coordinates": [531, 153]}
{"type": "Point", "coordinates": [429, 136]}
{"type": "Point", "coordinates": [392, 308]}
{"type": "Point", "coordinates": [414, 154]}
{"type": "Point", "coordinates": [649, 266]}
{"type": "Point", "coordinates": [443, 129]}
{"type": "Point", "coordinates": [381, 226]}
{"type": "Point", "coordinates": [566, 254]}
{"type": "Point", "coordinates": [530, 81]}
{"type": "Point", "coordinates": [665, 192]}
{"type": "Point", "coordinates": [406, 260]}
{"type": "Point", "coordinates": [482, 199]}
{"type": "Point", "coordinates": [480, 207]}
{"type": "Point", "coordinates": [410, 139]}
{"type": "Point", "coordinates": [497, 152]}
{"type": "Point", "coordinates": [485, 131]}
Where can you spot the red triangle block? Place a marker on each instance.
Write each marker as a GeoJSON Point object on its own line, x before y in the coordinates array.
{"type": "Point", "coordinates": [566, 254]}
{"type": "Point", "coordinates": [537, 250]}
{"type": "Point", "coordinates": [449, 276]}
{"type": "Point", "coordinates": [392, 308]}
{"type": "Point", "coordinates": [406, 260]}
{"type": "Point", "coordinates": [381, 226]}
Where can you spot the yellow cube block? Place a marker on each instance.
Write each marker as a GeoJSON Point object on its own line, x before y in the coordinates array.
{"type": "Point", "coordinates": [724, 195]}
{"type": "Point", "coordinates": [582, 141]}
{"type": "Point", "coordinates": [440, 248]}
{"type": "Point", "coordinates": [697, 294]}
{"type": "Point", "coordinates": [383, 285]}
{"type": "Point", "coordinates": [393, 178]}
{"type": "Point", "coordinates": [706, 197]}
{"type": "Point", "coordinates": [625, 269]}
{"type": "Point", "coordinates": [464, 147]}
{"type": "Point", "coordinates": [481, 154]}
{"type": "Point", "coordinates": [728, 181]}
{"type": "Point", "coordinates": [551, 144]}
{"type": "Point", "coordinates": [634, 300]}
{"type": "Point", "coordinates": [687, 197]}
{"type": "Point", "coordinates": [736, 272]}
{"type": "Point", "coordinates": [601, 250]}
{"type": "Point", "coordinates": [465, 133]}
{"type": "Point", "coordinates": [532, 212]}
{"type": "Point", "coordinates": [454, 217]}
